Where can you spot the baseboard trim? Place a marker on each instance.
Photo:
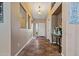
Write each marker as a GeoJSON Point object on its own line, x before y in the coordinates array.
{"type": "Point", "coordinates": [23, 47]}
{"type": "Point", "coordinates": [62, 54]}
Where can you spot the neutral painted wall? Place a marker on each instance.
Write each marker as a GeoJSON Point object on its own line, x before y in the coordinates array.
{"type": "Point", "coordinates": [64, 18]}
{"type": "Point", "coordinates": [48, 28]}
{"type": "Point", "coordinates": [54, 19]}
{"type": "Point", "coordinates": [70, 33]}
{"type": "Point", "coordinates": [59, 17]}
{"type": "Point", "coordinates": [5, 31]}
{"type": "Point", "coordinates": [19, 36]}
{"type": "Point", "coordinates": [77, 39]}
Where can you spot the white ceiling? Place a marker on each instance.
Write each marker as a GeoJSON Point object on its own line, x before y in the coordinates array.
{"type": "Point", "coordinates": [43, 9]}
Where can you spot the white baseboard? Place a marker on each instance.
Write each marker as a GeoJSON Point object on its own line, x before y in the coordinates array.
{"type": "Point", "coordinates": [23, 47]}
{"type": "Point", "coordinates": [62, 54]}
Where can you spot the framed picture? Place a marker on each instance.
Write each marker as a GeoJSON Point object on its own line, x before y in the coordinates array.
{"type": "Point", "coordinates": [1, 12]}
{"type": "Point", "coordinates": [74, 13]}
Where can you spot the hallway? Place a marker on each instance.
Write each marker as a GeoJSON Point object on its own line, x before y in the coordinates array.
{"type": "Point", "coordinates": [35, 20]}
{"type": "Point", "coordinates": [20, 21]}
{"type": "Point", "coordinates": [40, 47]}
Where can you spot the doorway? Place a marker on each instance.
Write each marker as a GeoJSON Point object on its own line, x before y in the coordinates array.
{"type": "Point", "coordinates": [57, 27]}
{"type": "Point", "coordinates": [40, 29]}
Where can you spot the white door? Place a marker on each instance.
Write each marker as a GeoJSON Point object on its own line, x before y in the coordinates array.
{"type": "Point", "coordinates": [41, 29]}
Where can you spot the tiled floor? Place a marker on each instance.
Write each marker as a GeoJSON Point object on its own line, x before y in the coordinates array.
{"type": "Point", "coordinates": [40, 47]}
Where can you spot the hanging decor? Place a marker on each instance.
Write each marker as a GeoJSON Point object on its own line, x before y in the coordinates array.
{"type": "Point", "coordinates": [74, 13]}
{"type": "Point", "coordinates": [1, 12]}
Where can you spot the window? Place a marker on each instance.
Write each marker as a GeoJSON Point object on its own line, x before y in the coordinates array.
{"type": "Point", "coordinates": [1, 12]}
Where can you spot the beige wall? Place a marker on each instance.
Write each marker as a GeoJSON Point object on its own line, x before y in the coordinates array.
{"type": "Point", "coordinates": [54, 22]}
{"type": "Point", "coordinates": [64, 18]}
{"type": "Point", "coordinates": [19, 36]}
{"type": "Point", "coordinates": [59, 17]}
{"type": "Point", "coordinates": [70, 33]}
{"type": "Point", "coordinates": [77, 39]}
{"type": "Point", "coordinates": [48, 28]}
{"type": "Point", "coordinates": [5, 34]}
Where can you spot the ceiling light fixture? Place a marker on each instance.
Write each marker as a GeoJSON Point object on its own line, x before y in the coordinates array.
{"type": "Point", "coordinates": [39, 12]}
